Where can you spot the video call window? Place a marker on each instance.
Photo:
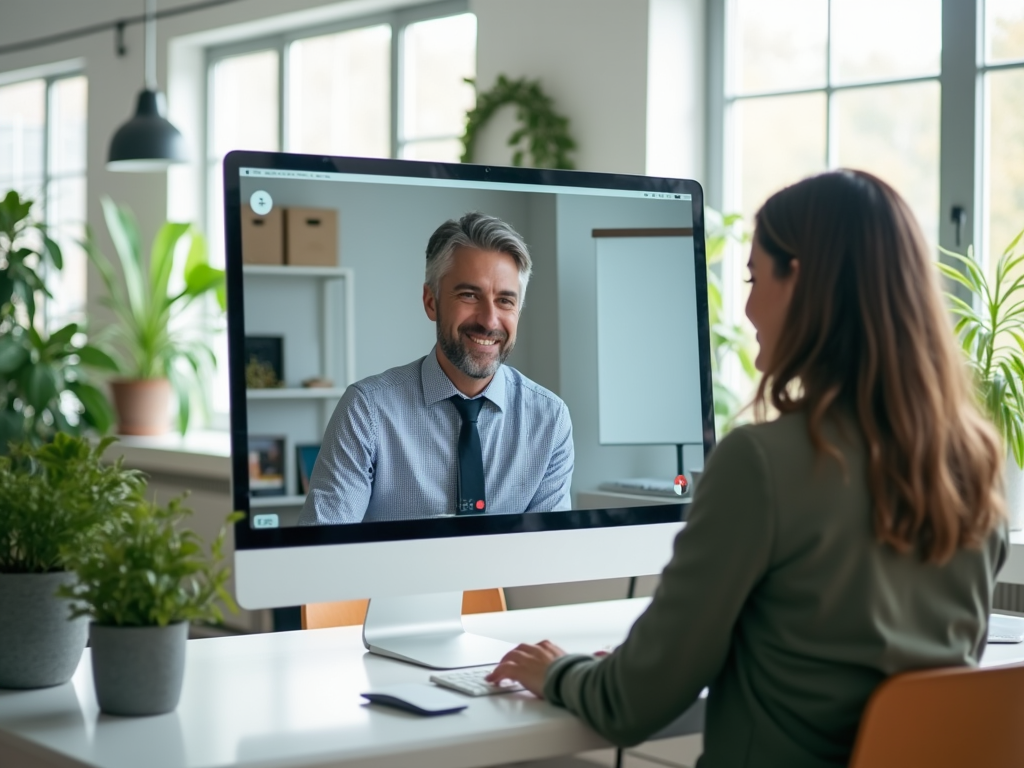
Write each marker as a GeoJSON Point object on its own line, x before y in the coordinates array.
{"type": "Point", "coordinates": [353, 415]}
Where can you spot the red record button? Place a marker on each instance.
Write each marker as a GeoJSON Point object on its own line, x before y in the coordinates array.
{"type": "Point", "coordinates": [480, 504]}
{"type": "Point", "coordinates": [680, 485]}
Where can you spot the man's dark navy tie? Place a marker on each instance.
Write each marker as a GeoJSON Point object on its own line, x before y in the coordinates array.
{"type": "Point", "coordinates": [472, 499]}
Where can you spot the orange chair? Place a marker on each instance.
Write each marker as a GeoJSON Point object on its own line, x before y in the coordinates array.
{"type": "Point", "coordinates": [942, 718]}
{"type": "Point", "coordinates": [348, 613]}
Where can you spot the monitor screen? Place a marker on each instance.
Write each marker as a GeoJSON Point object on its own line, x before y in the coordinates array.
{"type": "Point", "coordinates": [346, 358]}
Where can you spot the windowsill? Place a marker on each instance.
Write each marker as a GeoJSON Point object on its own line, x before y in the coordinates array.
{"type": "Point", "coordinates": [200, 453]}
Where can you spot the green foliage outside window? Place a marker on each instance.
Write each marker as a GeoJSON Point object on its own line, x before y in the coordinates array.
{"type": "Point", "coordinates": [728, 339]}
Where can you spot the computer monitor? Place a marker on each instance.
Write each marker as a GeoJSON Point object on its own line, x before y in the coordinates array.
{"type": "Point", "coordinates": [325, 277]}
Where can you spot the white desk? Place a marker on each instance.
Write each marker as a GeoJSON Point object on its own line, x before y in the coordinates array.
{"type": "Point", "coordinates": [292, 699]}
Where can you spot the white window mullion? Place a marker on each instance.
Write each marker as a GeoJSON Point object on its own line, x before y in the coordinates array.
{"type": "Point", "coordinates": [958, 130]}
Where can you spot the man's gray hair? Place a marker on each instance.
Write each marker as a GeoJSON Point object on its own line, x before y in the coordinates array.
{"type": "Point", "coordinates": [476, 230]}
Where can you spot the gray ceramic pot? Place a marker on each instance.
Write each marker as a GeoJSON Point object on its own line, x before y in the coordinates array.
{"type": "Point", "coordinates": [138, 670]}
{"type": "Point", "coordinates": [39, 644]}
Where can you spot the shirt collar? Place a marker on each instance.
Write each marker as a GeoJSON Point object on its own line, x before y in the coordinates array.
{"type": "Point", "coordinates": [437, 386]}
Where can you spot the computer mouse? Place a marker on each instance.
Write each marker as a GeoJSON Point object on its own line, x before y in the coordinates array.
{"type": "Point", "coordinates": [418, 698]}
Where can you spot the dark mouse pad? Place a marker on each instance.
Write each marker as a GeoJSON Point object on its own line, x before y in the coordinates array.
{"type": "Point", "coordinates": [418, 698]}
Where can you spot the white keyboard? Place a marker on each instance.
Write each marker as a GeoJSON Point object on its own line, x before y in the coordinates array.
{"type": "Point", "coordinates": [1005, 629]}
{"type": "Point", "coordinates": [472, 683]}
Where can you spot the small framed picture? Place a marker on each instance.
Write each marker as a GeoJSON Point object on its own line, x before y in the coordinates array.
{"type": "Point", "coordinates": [305, 458]}
{"type": "Point", "coordinates": [264, 362]}
{"type": "Point", "coordinates": [266, 466]}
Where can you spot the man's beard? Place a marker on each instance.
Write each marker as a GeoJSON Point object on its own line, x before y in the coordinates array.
{"type": "Point", "coordinates": [457, 349]}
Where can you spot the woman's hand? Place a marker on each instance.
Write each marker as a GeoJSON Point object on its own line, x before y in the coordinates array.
{"type": "Point", "coordinates": [527, 665]}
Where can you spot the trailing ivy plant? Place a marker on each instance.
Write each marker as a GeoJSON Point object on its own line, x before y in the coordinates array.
{"type": "Point", "coordinates": [53, 497]}
{"type": "Point", "coordinates": [145, 569]}
{"type": "Point", "coordinates": [545, 132]}
{"type": "Point", "coordinates": [44, 377]}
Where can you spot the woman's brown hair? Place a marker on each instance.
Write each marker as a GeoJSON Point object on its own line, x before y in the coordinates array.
{"type": "Point", "coordinates": [867, 330]}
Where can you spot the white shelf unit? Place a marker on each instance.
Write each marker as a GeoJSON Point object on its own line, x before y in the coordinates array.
{"type": "Point", "coordinates": [300, 304]}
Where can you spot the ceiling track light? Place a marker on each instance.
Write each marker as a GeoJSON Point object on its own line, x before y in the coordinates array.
{"type": "Point", "coordinates": [148, 141]}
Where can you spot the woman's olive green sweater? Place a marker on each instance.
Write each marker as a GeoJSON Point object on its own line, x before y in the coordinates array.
{"type": "Point", "coordinates": [779, 599]}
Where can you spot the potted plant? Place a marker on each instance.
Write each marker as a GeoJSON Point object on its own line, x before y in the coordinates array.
{"type": "Point", "coordinates": [991, 331]}
{"type": "Point", "coordinates": [155, 348]}
{"type": "Point", "coordinates": [53, 498]}
{"type": "Point", "coordinates": [141, 583]}
{"type": "Point", "coordinates": [44, 384]}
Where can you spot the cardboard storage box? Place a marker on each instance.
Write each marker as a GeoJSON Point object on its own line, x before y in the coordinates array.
{"type": "Point", "coordinates": [311, 237]}
{"type": "Point", "coordinates": [262, 237]}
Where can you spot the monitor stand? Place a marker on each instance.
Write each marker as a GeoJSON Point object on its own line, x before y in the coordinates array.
{"type": "Point", "coordinates": [427, 630]}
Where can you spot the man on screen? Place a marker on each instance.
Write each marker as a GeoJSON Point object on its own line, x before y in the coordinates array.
{"type": "Point", "coordinates": [455, 432]}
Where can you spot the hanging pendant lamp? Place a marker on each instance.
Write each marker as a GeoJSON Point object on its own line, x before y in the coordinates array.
{"type": "Point", "coordinates": [147, 142]}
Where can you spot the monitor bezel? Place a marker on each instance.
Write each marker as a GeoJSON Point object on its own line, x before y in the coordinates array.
{"type": "Point", "coordinates": [247, 537]}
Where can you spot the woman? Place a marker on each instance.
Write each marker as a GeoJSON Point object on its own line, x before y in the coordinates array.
{"type": "Point", "coordinates": [855, 536]}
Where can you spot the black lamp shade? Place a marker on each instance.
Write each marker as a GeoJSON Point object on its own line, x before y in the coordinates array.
{"type": "Point", "coordinates": [147, 142]}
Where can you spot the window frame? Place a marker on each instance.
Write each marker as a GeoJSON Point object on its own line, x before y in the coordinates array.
{"type": "Point", "coordinates": [983, 242]}
{"type": "Point", "coordinates": [728, 100]}
{"type": "Point", "coordinates": [963, 112]}
{"type": "Point", "coordinates": [398, 20]}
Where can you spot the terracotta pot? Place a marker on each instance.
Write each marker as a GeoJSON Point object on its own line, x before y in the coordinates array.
{"type": "Point", "coordinates": [143, 406]}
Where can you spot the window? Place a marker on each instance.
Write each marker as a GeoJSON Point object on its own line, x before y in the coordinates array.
{"type": "Point", "coordinates": [438, 55]}
{"type": "Point", "coordinates": [42, 156]}
{"type": "Point", "coordinates": [392, 85]}
{"type": "Point", "coordinates": [816, 84]}
{"type": "Point", "coordinates": [1002, 75]}
{"type": "Point", "coordinates": [385, 86]}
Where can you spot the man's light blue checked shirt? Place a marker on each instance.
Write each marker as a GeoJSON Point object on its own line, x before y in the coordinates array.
{"type": "Point", "coordinates": [390, 451]}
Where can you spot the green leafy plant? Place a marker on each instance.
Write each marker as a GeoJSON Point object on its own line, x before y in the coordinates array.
{"type": "Point", "coordinates": [991, 332]}
{"type": "Point", "coordinates": [145, 570]}
{"type": "Point", "coordinates": [149, 340]}
{"type": "Point", "coordinates": [53, 498]}
{"type": "Point", "coordinates": [728, 339]}
{"type": "Point", "coordinates": [545, 132]}
{"type": "Point", "coordinates": [44, 377]}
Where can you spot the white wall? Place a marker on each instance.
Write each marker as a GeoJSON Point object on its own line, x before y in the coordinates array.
{"type": "Point", "coordinates": [629, 75]}
{"type": "Point", "coordinates": [591, 58]}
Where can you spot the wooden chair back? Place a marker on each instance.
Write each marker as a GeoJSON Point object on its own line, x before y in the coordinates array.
{"type": "Point", "coordinates": [943, 718]}
{"type": "Point", "coordinates": [347, 613]}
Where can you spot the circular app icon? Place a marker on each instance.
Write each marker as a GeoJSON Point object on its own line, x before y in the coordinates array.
{"type": "Point", "coordinates": [261, 203]}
